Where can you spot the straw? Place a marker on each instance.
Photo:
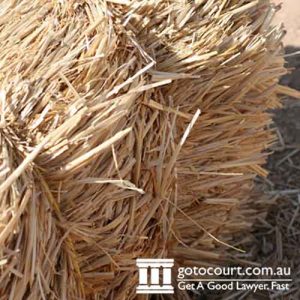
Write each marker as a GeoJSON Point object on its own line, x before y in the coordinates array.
{"type": "Point", "coordinates": [104, 156]}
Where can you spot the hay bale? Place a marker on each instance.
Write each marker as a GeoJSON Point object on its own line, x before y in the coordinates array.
{"type": "Point", "coordinates": [104, 154]}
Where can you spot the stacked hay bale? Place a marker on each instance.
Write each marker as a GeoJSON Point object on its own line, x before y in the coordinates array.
{"type": "Point", "coordinates": [105, 156]}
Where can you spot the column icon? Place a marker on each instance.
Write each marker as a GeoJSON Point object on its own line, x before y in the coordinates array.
{"type": "Point", "coordinates": [149, 276]}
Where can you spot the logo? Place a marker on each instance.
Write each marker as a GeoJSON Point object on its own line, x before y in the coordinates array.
{"type": "Point", "coordinates": [155, 277]}
{"type": "Point", "coordinates": [150, 270]}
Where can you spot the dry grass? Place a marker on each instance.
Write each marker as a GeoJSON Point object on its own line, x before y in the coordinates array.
{"type": "Point", "coordinates": [129, 129]}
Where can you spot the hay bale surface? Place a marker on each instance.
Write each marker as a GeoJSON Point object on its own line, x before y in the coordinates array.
{"type": "Point", "coordinates": [128, 129]}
